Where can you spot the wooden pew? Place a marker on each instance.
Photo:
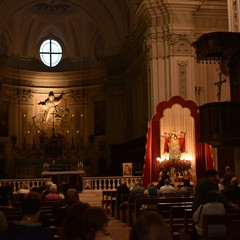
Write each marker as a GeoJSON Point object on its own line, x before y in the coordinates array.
{"type": "Point", "coordinates": [47, 211]}
{"type": "Point", "coordinates": [11, 213]}
{"type": "Point", "coordinates": [157, 201]}
{"type": "Point", "coordinates": [130, 208]}
{"type": "Point", "coordinates": [188, 224]}
{"type": "Point", "coordinates": [112, 203]}
{"type": "Point", "coordinates": [177, 222]}
{"type": "Point", "coordinates": [120, 199]}
{"type": "Point", "coordinates": [230, 220]}
{"type": "Point", "coordinates": [107, 199]}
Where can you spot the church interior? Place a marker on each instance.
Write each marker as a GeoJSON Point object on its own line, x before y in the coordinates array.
{"type": "Point", "coordinates": [96, 84]}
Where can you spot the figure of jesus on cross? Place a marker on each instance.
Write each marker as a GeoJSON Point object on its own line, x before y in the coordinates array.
{"type": "Point", "coordinates": [219, 85]}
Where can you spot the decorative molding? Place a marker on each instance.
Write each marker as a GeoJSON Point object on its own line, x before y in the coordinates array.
{"type": "Point", "coordinates": [182, 71]}
{"type": "Point", "coordinates": [181, 44]}
{"type": "Point", "coordinates": [24, 95]}
{"type": "Point", "coordinates": [78, 96]}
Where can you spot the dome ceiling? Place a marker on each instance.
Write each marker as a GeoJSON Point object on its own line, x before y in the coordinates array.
{"type": "Point", "coordinates": [87, 30]}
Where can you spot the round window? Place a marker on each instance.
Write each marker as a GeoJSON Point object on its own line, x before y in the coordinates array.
{"type": "Point", "coordinates": [50, 52]}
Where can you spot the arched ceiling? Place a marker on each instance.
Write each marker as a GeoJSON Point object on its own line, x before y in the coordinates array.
{"type": "Point", "coordinates": [87, 29]}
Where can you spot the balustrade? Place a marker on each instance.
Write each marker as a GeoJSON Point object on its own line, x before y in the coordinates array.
{"type": "Point", "coordinates": [16, 183]}
{"type": "Point", "coordinates": [88, 183]}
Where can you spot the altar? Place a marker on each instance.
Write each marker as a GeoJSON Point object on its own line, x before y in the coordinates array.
{"type": "Point", "coordinates": [61, 178]}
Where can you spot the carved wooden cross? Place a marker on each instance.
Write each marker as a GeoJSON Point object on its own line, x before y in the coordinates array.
{"type": "Point", "coordinates": [219, 85]}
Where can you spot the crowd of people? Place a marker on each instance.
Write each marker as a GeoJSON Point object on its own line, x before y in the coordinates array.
{"type": "Point", "coordinates": [80, 221]}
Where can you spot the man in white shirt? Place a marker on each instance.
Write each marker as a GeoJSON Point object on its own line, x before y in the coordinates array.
{"type": "Point", "coordinates": [167, 188]}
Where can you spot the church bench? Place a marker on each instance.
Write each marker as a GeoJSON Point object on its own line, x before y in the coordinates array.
{"type": "Point", "coordinates": [106, 200]}
{"type": "Point", "coordinates": [130, 208]}
{"type": "Point", "coordinates": [112, 203]}
{"type": "Point", "coordinates": [47, 209]}
{"type": "Point", "coordinates": [56, 230]}
{"type": "Point", "coordinates": [11, 213]}
{"type": "Point", "coordinates": [177, 221]}
{"type": "Point", "coordinates": [120, 204]}
{"type": "Point", "coordinates": [230, 220]}
{"type": "Point", "coordinates": [160, 204]}
{"type": "Point", "coordinates": [188, 224]}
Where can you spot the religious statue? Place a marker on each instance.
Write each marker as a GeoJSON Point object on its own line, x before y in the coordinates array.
{"type": "Point", "coordinates": [52, 117]}
{"type": "Point", "coordinates": [174, 144]}
{"type": "Point", "coordinates": [51, 108]}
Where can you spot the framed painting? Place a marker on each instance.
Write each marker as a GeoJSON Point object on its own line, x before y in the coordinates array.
{"type": "Point", "coordinates": [127, 169]}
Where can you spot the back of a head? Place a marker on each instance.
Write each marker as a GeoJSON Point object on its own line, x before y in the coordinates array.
{"type": "Point", "coordinates": [227, 169]}
{"type": "Point", "coordinates": [186, 183]}
{"type": "Point", "coordinates": [210, 172]}
{"type": "Point", "coordinates": [53, 188]}
{"type": "Point", "coordinates": [31, 203]}
{"type": "Point", "coordinates": [72, 195]}
{"type": "Point", "coordinates": [74, 221]}
{"type": "Point", "coordinates": [234, 181]}
{"type": "Point", "coordinates": [123, 182]}
{"type": "Point", "coordinates": [150, 185]}
{"type": "Point", "coordinates": [96, 219]}
{"type": "Point", "coordinates": [150, 226]}
{"type": "Point", "coordinates": [138, 183]}
{"type": "Point", "coordinates": [167, 182]}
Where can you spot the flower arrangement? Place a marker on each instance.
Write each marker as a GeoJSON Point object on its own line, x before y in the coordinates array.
{"type": "Point", "coordinates": [176, 168]}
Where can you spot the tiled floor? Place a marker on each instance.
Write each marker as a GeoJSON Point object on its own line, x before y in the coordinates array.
{"type": "Point", "coordinates": [118, 230]}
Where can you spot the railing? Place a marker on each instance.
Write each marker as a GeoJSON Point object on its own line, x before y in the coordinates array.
{"type": "Point", "coordinates": [108, 183]}
{"type": "Point", "coordinates": [16, 183]}
{"type": "Point", "coordinates": [88, 183]}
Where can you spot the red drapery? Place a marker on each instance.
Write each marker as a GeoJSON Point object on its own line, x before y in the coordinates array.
{"type": "Point", "coordinates": [209, 157]}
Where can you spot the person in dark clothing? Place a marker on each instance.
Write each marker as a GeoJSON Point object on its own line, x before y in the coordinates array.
{"type": "Point", "coordinates": [60, 211]}
{"type": "Point", "coordinates": [233, 194]}
{"type": "Point", "coordinates": [226, 180]}
{"type": "Point", "coordinates": [73, 225]}
{"type": "Point", "coordinates": [162, 177]}
{"type": "Point", "coordinates": [28, 228]}
{"type": "Point", "coordinates": [151, 226]}
{"type": "Point", "coordinates": [123, 188]}
{"type": "Point", "coordinates": [205, 184]}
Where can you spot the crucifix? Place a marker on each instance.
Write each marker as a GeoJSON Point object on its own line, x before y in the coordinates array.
{"type": "Point", "coordinates": [219, 85]}
{"type": "Point", "coordinates": [53, 113]}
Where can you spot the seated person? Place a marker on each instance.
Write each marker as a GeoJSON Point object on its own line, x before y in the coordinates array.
{"type": "Point", "coordinates": [60, 211]}
{"type": "Point", "coordinates": [96, 224]}
{"type": "Point", "coordinates": [53, 193]}
{"type": "Point", "coordinates": [28, 227]}
{"type": "Point", "coordinates": [123, 188]}
{"type": "Point", "coordinates": [233, 193]}
{"type": "Point", "coordinates": [187, 188]}
{"type": "Point", "coordinates": [151, 190]}
{"type": "Point", "coordinates": [213, 206]}
{"type": "Point", "coordinates": [162, 177]}
{"type": "Point", "coordinates": [167, 187]}
{"type": "Point", "coordinates": [138, 189]}
{"type": "Point", "coordinates": [24, 189]}
{"type": "Point", "coordinates": [151, 226]}
{"type": "Point", "coordinates": [73, 225]}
